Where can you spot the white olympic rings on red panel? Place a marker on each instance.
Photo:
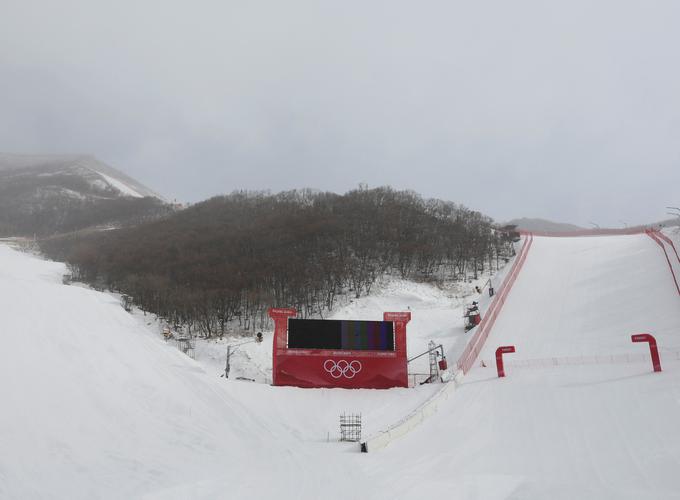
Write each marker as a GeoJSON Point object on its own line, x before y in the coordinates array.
{"type": "Point", "coordinates": [342, 368]}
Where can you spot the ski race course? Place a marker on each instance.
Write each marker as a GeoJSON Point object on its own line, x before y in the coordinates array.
{"type": "Point", "coordinates": [95, 405]}
{"type": "Point", "coordinates": [580, 413]}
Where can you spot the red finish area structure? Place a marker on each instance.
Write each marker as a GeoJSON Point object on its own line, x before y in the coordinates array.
{"type": "Point", "coordinates": [314, 368]}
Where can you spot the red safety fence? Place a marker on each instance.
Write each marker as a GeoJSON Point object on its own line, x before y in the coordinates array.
{"type": "Point", "coordinates": [473, 348]}
{"type": "Point", "coordinates": [669, 241]}
{"type": "Point", "coordinates": [659, 238]}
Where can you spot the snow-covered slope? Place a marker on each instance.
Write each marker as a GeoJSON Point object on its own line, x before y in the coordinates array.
{"type": "Point", "coordinates": [93, 406]}
{"type": "Point", "coordinates": [562, 428]}
{"type": "Point", "coordinates": [598, 292]}
{"type": "Point", "coordinates": [96, 174]}
{"type": "Point", "coordinates": [97, 406]}
{"type": "Point", "coordinates": [47, 195]}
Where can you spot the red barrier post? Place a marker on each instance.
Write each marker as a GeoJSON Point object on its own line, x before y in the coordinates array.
{"type": "Point", "coordinates": [655, 236]}
{"type": "Point", "coordinates": [499, 358]}
{"type": "Point", "coordinates": [670, 242]}
{"type": "Point", "coordinates": [280, 316]}
{"type": "Point", "coordinates": [400, 319]}
{"type": "Point", "coordinates": [646, 337]}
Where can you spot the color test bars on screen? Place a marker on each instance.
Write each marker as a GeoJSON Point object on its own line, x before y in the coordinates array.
{"type": "Point", "coordinates": [341, 335]}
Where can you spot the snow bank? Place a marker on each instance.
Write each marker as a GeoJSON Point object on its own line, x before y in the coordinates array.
{"type": "Point", "coordinates": [98, 406]}
{"type": "Point", "coordinates": [94, 406]}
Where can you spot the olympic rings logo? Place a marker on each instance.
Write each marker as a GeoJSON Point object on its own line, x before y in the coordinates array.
{"type": "Point", "coordinates": [342, 368]}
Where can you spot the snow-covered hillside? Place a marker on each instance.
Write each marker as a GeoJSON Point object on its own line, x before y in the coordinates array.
{"type": "Point", "coordinates": [51, 194]}
{"type": "Point", "coordinates": [93, 406]}
{"type": "Point", "coordinates": [98, 406]}
{"type": "Point", "coordinates": [101, 178]}
{"type": "Point", "coordinates": [563, 425]}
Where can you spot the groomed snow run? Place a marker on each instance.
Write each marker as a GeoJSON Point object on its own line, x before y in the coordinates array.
{"type": "Point", "coordinates": [569, 420]}
{"type": "Point", "coordinates": [97, 406]}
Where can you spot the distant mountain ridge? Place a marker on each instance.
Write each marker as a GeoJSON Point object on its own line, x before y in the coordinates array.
{"type": "Point", "coordinates": [50, 194]}
{"type": "Point", "coordinates": [101, 176]}
{"type": "Point", "coordinates": [536, 224]}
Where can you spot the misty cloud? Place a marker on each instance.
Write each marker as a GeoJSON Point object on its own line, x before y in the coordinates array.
{"type": "Point", "coordinates": [560, 110]}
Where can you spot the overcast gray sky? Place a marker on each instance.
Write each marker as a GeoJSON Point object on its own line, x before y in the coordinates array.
{"type": "Point", "coordinates": [566, 110]}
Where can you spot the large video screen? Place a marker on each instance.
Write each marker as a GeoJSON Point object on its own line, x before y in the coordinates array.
{"type": "Point", "coordinates": [340, 335]}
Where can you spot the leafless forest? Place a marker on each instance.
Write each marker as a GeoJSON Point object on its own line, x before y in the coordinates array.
{"type": "Point", "coordinates": [225, 261]}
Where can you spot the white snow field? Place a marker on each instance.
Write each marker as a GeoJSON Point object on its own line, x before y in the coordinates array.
{"type": "Point", "coordinates": [94, 405]}
{"type": "Point", "coordinates": [586, 296]}
{"type": "Point", "coordinates": [566, 425]}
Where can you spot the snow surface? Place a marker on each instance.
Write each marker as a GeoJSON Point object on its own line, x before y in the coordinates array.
{"type": "Point", "coordinates": [123, 188]}
{"type": "Point", "coordinates": [95, 405]}
{"type": "Point", "coordinates": [591, 431]}
{"type": "Point", "coordinates": [98, 406]}
{"type": "Point", "coordinates": [599, 291]}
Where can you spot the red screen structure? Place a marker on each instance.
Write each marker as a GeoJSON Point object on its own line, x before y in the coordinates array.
{"type": "Point", "coordinates": [369, 365]}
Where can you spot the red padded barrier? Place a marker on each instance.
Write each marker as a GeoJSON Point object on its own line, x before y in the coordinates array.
{"type": "Point", "coordinates": [669, 241]}
{"type": "Point", "coordinates": [657, 237]}
{"type": "Point", "coordinates": [473, 348]}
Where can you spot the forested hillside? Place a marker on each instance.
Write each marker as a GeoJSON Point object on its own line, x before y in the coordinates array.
{"type": "Point", "coordinates": [58, 214]}
{"type": "Point", "coordinates": [232, 257]}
